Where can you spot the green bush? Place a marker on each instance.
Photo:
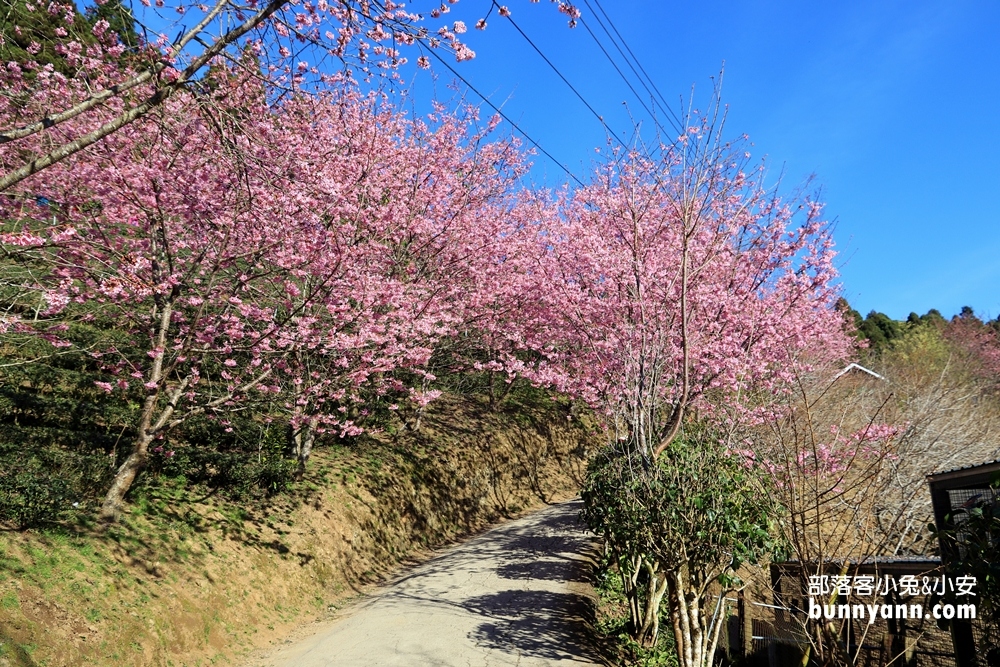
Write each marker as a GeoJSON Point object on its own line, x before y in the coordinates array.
{"type": "Point", "coordinates": [241, 458]}
{"type": "Point", "coordinates": [678, 524]}
{"type": "Point", "coordinates": [30, 498]}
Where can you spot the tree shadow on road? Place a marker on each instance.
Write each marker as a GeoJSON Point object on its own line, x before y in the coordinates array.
{"type": "Point", "coordinates": [537, 624]}
{"type": "Point", "coordinates": [546, 570]}
{"type": "Point", "coordinates": [520, 616]}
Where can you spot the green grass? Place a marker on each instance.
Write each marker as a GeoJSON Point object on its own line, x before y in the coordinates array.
{"type": "Point", "coordinates": [116, 578]}
{"type": "Point", "coordinates": [10, 601]}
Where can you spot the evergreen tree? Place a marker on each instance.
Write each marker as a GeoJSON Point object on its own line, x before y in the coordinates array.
{"type": "Point", "coordinates": [32, 34]}
{"type": "Point", "coordinates": [119, 18]}
{"type": "Point", "coordinates": [968, 314]}
{"type": "Point", "coordinates": [880, 330]}
{"type": "Point", "coordinates": [844, 307]}
{"type": "Point", "coordinates": [933, 316]}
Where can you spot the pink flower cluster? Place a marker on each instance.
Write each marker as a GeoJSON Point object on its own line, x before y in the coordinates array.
{"type": "Point", "coordinates": [312, 249]}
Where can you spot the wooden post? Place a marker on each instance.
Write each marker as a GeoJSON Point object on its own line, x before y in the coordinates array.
{"type": "Point", "coordinates": [744, 611]}
{"type": "Point", "coordinates": [961, 630]}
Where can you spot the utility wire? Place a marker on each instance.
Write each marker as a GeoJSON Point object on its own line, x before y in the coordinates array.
{"type": "Point", "coordinates": [623, 77]}
{"type": "Point", "coordinates": [637, 62]}
{"type": "Point", "coordinates": [671, 117]}
{"type": "Point", "coordinates": [566, 81]}
{"type": "Point", "coordinates": [495, 108]}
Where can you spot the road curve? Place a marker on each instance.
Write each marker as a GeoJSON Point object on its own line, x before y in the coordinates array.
{"type": "Point", "coordinates": [515, 595]}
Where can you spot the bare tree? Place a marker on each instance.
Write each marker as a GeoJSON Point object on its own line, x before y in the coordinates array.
{"type": "Point", "coordinates": [831, 456]}
{"type": "Point", "coordinates": [851, 455]}
{"type": "Point", "coordinates": [952, 419]}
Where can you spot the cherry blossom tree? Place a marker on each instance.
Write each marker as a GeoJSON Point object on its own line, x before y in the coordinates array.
{"type": "Point", "coordinates": [251, 247]}
{"type": "Point", "coordinates": [978, 342]}
{"type": "Point", "coordinates": [439, 194]}
{"type": "Point", "coordinates": [682, 282]}
{"type": "Point", "coordinates": [292, 44]}
{"type": "Point", "coordinates": [678, 290]}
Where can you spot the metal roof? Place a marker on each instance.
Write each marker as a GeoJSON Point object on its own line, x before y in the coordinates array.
{"type": "Point", "coordinates": [858, 367]}
{"type": "Point", "coordinates": [989, 466]}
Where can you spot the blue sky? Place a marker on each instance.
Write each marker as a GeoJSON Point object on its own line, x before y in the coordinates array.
{"type": "Point", "coordinates": [891, 105]}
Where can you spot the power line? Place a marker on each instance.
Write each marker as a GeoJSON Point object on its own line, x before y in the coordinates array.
{"type": "Point", "coordinates": [622, 75]}
{"type": "Point", "coordinates": [679, 125]}
{"type": "Point", "coordinates": [566, 81]}
{"type": "Point", "coordinates": [671, 117]}
{"type": "Point", "coordinates": [495, 108]}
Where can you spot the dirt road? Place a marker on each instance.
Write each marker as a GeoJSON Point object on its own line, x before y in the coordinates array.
{"type": "Point", "coordinates": [515, 595]}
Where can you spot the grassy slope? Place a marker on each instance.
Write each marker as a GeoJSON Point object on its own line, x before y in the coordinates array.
{"type": "Point", "coordinates": [192, 580]}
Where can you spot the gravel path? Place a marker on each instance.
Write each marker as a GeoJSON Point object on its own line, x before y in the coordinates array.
{"type": "Point", "coordinates": [515, 595]}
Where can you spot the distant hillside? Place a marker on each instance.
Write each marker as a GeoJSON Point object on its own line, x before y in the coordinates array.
{"type": "Point", "coordinates": [879, 331]}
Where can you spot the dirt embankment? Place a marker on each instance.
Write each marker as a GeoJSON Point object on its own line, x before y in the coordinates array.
{"type": "Point", "coordinates": [187, 579]}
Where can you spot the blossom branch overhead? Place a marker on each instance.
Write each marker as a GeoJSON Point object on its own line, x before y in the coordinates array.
{"type": "Point", "coordinates": [112, 87]}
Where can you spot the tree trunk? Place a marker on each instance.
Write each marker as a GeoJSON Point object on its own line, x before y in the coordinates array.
{"type": "Point", "coordinates": [114, 501]}
{"type": "Point", "coordinates": [715, 625]}
{"type": "Point", "coordinates": [651, 617]}
{"type": "Point", "coordinates": [629, 567]}
{"type": "Point", "coordinates": [687, 617]}
{"type": "Point", "coordinates": [303, 439]}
